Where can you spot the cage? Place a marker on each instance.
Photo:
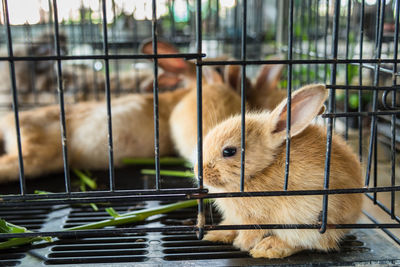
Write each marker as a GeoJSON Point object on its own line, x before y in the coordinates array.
{"type": "Point", "coordinates": [63, 53]}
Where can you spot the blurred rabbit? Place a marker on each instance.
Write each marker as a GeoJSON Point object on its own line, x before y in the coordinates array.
{"type": "Point", "coordinates": [87, 133]}
{"type": "Point", "coordinates": [37, 75]}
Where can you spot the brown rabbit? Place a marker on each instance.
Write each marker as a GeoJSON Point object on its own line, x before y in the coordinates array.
{"type": "Point", "coordinates": [133, 133]}
{"type": "Point", "coordinates": [265, 93]}
{"type": "Point", "coordinates": [265, 169]}
{"type": "Point", "coordinates": [220, 100]}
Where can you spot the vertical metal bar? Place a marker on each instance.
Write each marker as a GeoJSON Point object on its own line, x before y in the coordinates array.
{"type": "Point", "coordinates": [243, 95]}
{"type": "Point", "coordinates": [393, 121]}
{"type": "Point", "coordinates": [309, 15]}
{"type": "Point", "coordinates": [95, 75]}
{"type": "Point", "coordinates": [108, 99]}
{"type": "Point", "coordinates": [199, 115]}
{"type": "Point", "coordinates": [326, 39]}
{"type": "Point", "coordinates": [360, 119]}
{"type": "Point", "coordinates": [235, 27]}
{"type": "Point", "coordinates": [335, 37]}
{"type": "Point", "coordinates": [217, 22]}
{"type": "Point", "coordinates": [61, 100]}
{"type": "Point", "coordinates": [317, 2]}
{"type": "Point", "coordinates": [302, 79]}
{"type": "Point", "coordinates": [155, 94]}
{"type": "Point", "coordinates": [289, 95]}
{"type": "Point", "coordinates": [378, 49]}
{"type": "Point", "coordinates": [115, 41]}
{"type": "Point", "coordinates": [171, 8]}
{"type": "Point", "coordinates": [14, 97]}
{"type": "Point", "coordinates": [346, 98]}
{"type": "Point", "coordinates": [32, 74]}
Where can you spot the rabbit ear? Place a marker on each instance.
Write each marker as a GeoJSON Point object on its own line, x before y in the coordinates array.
{"type": "Point", "coordinates": [233, 76]}
{"type": "Point", "coordinates": [174, 65]}
{"type": "Point", "coordinates": [269, 77]}
{"type": "Point", "coordinates": [305, 105]}
{"type": "Point", "coordinates": [211, 75]}
{"type": "Point", "coordinates": [166, 81]}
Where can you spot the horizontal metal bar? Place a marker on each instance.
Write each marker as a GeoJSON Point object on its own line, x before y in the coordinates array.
{"type": "Point", "coordinates": [113, 232]}
{"type": "Point", "coordinates": [363, 87]}
{"type": "Point", "coordinates": [357, 114]}
{"type": "Point", "coordinates": [184, 195]}
{"type": "Point", "coordinates": [296, 61]}
{"type": "Point", "coordinates": [386, 231]}
{"type": "Point", "coordinates": [115, 193]}
{"type": "Point", "coordinates": [195, 56]}
{"type": "Point", "coordinates": [121, 56]}
{"type": "Point", "coordinates": [383, 207]}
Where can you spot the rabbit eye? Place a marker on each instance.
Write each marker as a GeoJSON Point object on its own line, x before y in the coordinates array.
{"type": "Point", "coordinates": [229, 152]}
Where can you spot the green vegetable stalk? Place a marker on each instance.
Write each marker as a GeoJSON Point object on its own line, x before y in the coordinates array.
{"type": "Point", "coordinates": [185, 174]}
{"type": "Point", "coordinates": [117, 219]}
{"type": "Point", "coordinates": [151, 161]}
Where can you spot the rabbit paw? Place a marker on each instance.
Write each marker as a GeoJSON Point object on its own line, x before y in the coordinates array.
{"type": "Point", "coordinates": [247, 239]}
{"type": "Point", "coordinates": [224, 236]}
{"type": "Point", "coordinates": [272, 247]}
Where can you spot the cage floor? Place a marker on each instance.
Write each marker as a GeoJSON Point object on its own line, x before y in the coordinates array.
{"type": "Point", "coordinates": [360, 247]}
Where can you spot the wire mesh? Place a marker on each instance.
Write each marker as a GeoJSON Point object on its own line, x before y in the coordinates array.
{"type": "Point", "coordinates": [358, 49]}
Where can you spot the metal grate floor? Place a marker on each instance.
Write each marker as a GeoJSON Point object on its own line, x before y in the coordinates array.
{"type": "Point", "coordinates": [361, 247]}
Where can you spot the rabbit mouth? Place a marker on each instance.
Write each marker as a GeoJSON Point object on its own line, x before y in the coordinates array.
{"type": "Point", "coordinates": [212, 177]}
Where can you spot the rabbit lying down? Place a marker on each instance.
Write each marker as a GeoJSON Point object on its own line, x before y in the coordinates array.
{"type": "Point", "coordinates": [132, 126]}
{"type": "Point", "coordinates": [265, 169]}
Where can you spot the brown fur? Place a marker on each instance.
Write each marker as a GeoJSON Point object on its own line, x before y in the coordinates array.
{"type": "Point", "coordinates": [87, 134]}
{"type": "Point", "coordinates": [265, 170]}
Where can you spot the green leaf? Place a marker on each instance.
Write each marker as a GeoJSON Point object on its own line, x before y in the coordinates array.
{"type": "Point", "coordinates": [9, 228]}
{"type": "Point", "coordinates": [186, 174]}
{"type": "Point", "coordinates": [6, 227]}
{"type": "Point", "coordinates": [40, 192]}
{"type": "Point", "coordinates": [86, 180]}
{"type": "Point", "coordinates": [94, 206]}
{"type": "Point", "coordinates": [112, 212]}
{"type": "Point", "coordinates": [151, 161]}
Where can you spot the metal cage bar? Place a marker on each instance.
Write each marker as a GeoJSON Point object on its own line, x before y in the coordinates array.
{"type": "Point", "coordinates": [295, 48]}
{"type": "Point", "coordinates": [243, 96]}
{"type": "Point", "coordinates": [14, 98]}
{"type": "Point", "coordinates": [61, 101]}
{"type": "Point", "coordinates": [108, 99]}
{"type": "Point", "coordinates": [155, 95]}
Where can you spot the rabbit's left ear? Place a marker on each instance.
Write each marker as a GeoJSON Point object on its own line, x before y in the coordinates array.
{"type": "Point", "coordinates": [233, 77]}
{"type": "Point", "coordinates": [306, 104]}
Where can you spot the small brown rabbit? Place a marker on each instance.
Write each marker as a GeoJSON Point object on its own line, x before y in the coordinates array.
{"type": "Point", "coordinates": [265, 169]}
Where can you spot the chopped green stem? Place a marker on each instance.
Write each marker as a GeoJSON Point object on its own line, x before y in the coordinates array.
{"type": "Point", "coordinates": [112, 212]}
{"type": "Point", "coordinates": [13, 242]}
{"type": "Point", "coordinates": [6, 227]}
{"type": "Point", "coordinates": [186, 174]}
{"type": "Point", "coordinates": [151, 161]}
{"type": "Point", "coordinates": [136, 216]}
{"type": "Point", "coordinates": [86, 180]}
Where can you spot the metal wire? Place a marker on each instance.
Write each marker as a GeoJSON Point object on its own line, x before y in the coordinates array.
{"type": "Point", "coordinates": [14, 98]}
{"type": "Point", "coordinates": [300, 52]}
{"type": "Point", "coordinates": [243, 96]}
{"type": "Point", "coordinates": [60, 90]}
{"type": "Point", "coordinates": [108, 99]}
